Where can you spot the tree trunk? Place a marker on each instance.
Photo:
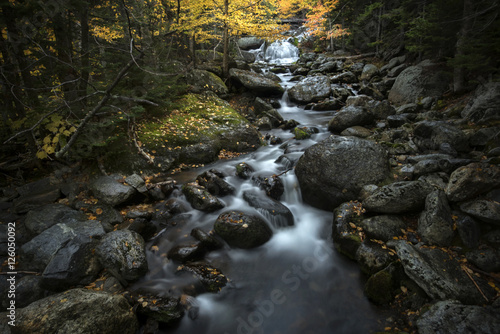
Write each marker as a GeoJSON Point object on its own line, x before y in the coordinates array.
{"type": "Point", "coordinates": [85, 50]}
{"type": "Point", "coordinates": [459, 71]}
{"type": "Point", "coordinates": [225, 61]}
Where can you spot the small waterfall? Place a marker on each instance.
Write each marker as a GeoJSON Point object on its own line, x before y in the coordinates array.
{"type": "Point", "coordinates": [281, 52]}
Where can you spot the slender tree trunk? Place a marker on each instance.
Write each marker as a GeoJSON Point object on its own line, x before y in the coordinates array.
{"type": "Point", "coordinates": [85, 50]}
{"type": "Point", "coordinates": [459, 71]}
{"type": "Point", "coordinates": [65, 70]}
{"type": "Point", "coordinates": [225, 61]}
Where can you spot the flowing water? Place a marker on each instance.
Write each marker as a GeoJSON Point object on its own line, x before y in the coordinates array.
{"type": "Point", "coordinates": [296, 282]}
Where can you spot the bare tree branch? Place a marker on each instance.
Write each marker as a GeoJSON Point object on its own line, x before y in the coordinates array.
{"type": "Point", "coordinates": [101, 104]}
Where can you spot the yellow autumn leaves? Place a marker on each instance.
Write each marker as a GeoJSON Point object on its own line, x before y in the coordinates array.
{"type": "Point", "coordinates": [60, 129]}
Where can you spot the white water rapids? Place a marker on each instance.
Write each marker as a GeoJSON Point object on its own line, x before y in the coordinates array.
{"type": "Point", "coordinates": [296, 282]}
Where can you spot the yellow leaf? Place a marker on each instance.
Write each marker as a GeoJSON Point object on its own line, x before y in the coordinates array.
{"type": "Point", "coordinates": [41, 155]}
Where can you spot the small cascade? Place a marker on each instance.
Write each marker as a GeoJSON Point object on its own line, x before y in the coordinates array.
{"type": "Point", "coordinates": [281, 52]}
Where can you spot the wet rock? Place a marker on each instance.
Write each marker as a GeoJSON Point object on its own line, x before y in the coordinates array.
{"type": "Point", "coordinates": [484, 210]}
{"type": "Point", "coordinates": [242, 230]}
{"type": "Point", "coordinates": [439, 275]}
{"type": "Point", "coordinates": [272, 185]}
{"type": "Point", "coordinates": [435, 225]}
{"type": "Point", "coordinates": [167, 310]}
{"type": "Point", "coordinates": [369, 71]}
{"type": "Point", "coordinates": [74, 264]}
{"type": "Point", "coordinates": [257, 83]}
{"type": "Point", "coordinates": [211, 278]}
{"type": "Point", "coordinates": [302, 133]}
{"type": "Point", "coordinates": [200, 198]}
{"type": "Point", "coordinates": [317, 170]}
{"type": "Point", "coordinates": [122, 253]}
{"type": "Point", "coordinates": [108, 190]}
{"type": "Point", "coordinates": [40, 250]}
{"type": "Point", "coordinates": [348, 117]}
{"type": "Point", "coordinates": [326, 105]}
{"type": "Point", "coordinates": [244, 170]}
{"type": "Point", "coordinates": [372, 257]}
{"type": "Point", "coordinates": [345, 233]}
{"type": "Point", "coordinates": [383, 227]}
{"type": "Point", "coordinates": [485, 258]}
{"type": "Point", "coordinates": [277, 213]}
{"type": "Point", "coordinates": [396, 121]}
{"type": "Point", "coordinates": [472, 180]}
{"type": "Point", "coordinates": [430, 135]}
{"type": "Point", "coordinates": [185, 253]}
{"type": "Point", "coordinates": [77, 311]}
{"type": "Point", "coordinates": [483, 107]}
{"type": "Point", "coordinates": [398, 197]}
{"type": "Point", "coordinates": [215, 184]}
{"type": "Point", "coordinates": [379, 287]}
{"type": "Point", "coordinates": [451, 317]}
{"type": "Point", "coordinates": [424, 79]}
{"type": "Point", "coordinates": [48, 215]}
{"type": "Point", "coordinates": [311, 89]}
{"type": "Point", "coordinates": [207, 241]}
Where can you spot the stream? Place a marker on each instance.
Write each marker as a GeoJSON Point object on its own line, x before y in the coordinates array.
{"type": "Point", "coordinates": [294, 283]}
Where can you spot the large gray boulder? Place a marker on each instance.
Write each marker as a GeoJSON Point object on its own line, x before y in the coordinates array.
{"type": "Point", "coordinates": [40, 250]}
{"type": "Point", "coordinates": [435, 225]}
{"type": "Point", "coordinates": [249, 43]}
{"type": "Point", "coordinates": [107, 189]}
{"type": "Point", "coordinates": [77, 311]}
{"type": "Point", "coordinates": [484, 107]}
{"type": "Point", "coordinates": [350, 116]}
{"type": "Point", "coordinates": [419, 81]}
{"type": "Point", "coordinates": [472, 180]}
{"type": "Point", "coordinates": [257, 83]}
{"type": "Point", "coordinates": [122, 253]}
{"type": "Point", "coordinates": [440, 275]}
{"type": "Point", "coordinates": [452, 317]}
{"type": "Point", "coordinates": [398, 197]}
{"type": "Point", "coordinates": [483, 209]}
{"type": "Point", "coordinates": [310, 89]}
{"type": "Point", "coordinates": [361, 161]}
{"type": "Point", "coordinates": [431, 135]}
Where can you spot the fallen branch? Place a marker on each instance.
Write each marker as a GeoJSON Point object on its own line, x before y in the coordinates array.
{"type": "Point", "coordinates": [136, 144]}
{"type": "Point", "coordinates": [101, 104]}
{"type": "Point", "coordinates": [466, 270]}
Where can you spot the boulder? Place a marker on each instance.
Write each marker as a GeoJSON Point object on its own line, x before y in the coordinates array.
{"type": "Point", "coordinates": [77, 311]}
{"type": "Point", "coordinates": [435, 225]}
{"type": "Point", "coordinates": [422, 80]}
{"type": "Point", "coordinates": [345, 233]}
{"type": "Point", "coordinates": [108, 190]}
{"type": "Point", "coordinates": [484, 107]}
{"type": "Point", "coordinates": [250, 43]}
{"type": "Point", "coordinates": [277, 213]}
{"type": "Point", "coordinates": [350, 116]}
{"type": "Point", "coordinates": [452, 317]}
{"type": "Point", "coordinates": [74, 264]}
{"type": "Point", "coordinates": [40, 250]}
{"type": "Point", "coordinates": [166, 310]}
{"type": "Point", "coordinates": [310, 89]}
{"type": "Point", "coordinates": [256, 83]}
{"type": "Point", "coordinates": [271, 184]}
{"type": "Point", "coordinates": [440, 275]}
{"type": "Point", "coordinates": [48, 215]}
{"type": "Point", "coordinates": [320, 182]}
{"type": "Point", "coordinates": [487, 211]}
{"type": "Point", "coordinates": [431, 135]}
{"type": "Point", "coordinates": [472, 180]}
{"type": "Point", "coordinates": [242, 230]}
{"type": "Point", "coordinates": [383, 227]}
{"type": "Point", "coordinates": [345, 77]}
{"type": "Point", "coordinates": [356, 131]}
{"type": "Point", "coordinates": [201, 80]}
{"type": "Point", "coordinates": [398, 197]}
{"type": "Point", "coordinates": [122, 253]}
{"type": "Point", "coordinates": [244, 170]}
{"type": "Point", "coordinates": [214, 183]}
{"type": "Point", "coordinates": [486, 259]}
{"type": "Point", "coordinates": [210, 278]}
{"type": "Point", "coordinates": [36, 194]}
{"type": "Point", "coordinates": [200, 198]}
{"type": "Point", "coordinates": [369, 71]}
{"type": "Point", "coordinates": [373, 257]}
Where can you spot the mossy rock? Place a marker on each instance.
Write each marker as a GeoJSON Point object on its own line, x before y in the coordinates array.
{"type": "Point", "coordinates": [301, 133]}
{"type": "Point", "coordinates": [379, 287]}
{"type": "Point", "coordinates": [242, 230]}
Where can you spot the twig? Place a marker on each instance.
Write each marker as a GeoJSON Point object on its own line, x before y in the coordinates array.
{"type": "Point", "coordinates": [464, 268]}
{"type": "Point", "coordinates": [136, 144]}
